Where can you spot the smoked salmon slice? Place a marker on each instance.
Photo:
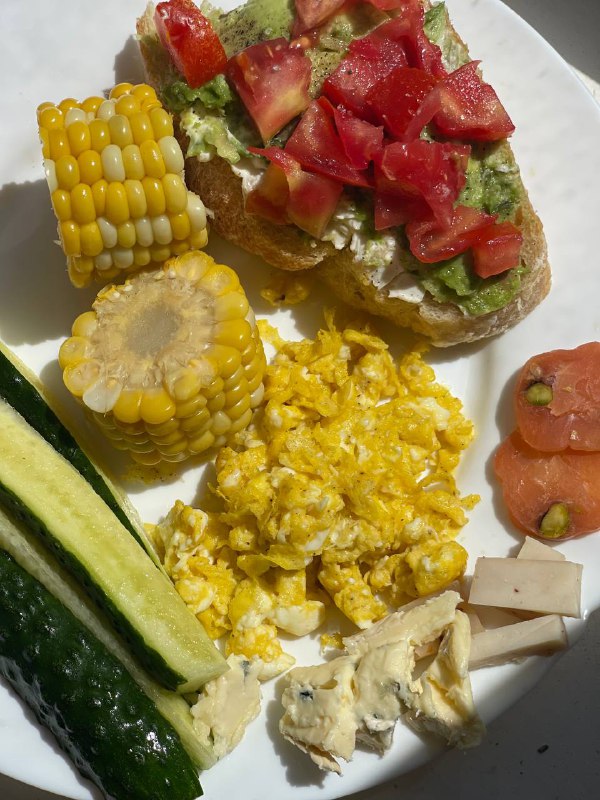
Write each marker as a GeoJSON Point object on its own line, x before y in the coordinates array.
{"type": "Point", "coordinates": [549, 495]}
{"type": "Point", "coordinates": [557, 399]}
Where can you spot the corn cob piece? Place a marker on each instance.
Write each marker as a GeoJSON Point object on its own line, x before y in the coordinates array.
{"type": "Point", "coordinates": [169, 364]}
{"type": "Point", "coordinates": [115, 174]}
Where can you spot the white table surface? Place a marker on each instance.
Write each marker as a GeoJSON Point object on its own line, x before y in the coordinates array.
{"type": "Point", "coordinates": [548, 745]}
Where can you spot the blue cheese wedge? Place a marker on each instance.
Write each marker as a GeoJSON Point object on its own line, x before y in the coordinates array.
{"type": "Point", "coordinates": [228, 704]}
{"type": "Point", "coordinates": [360, 696]}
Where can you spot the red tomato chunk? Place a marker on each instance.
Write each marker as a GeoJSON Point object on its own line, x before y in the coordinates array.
{"type": "Point", "coordinates": [190, 40]}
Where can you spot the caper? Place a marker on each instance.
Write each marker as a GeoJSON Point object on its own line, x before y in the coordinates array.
{"type": "Point", "coordinates": [539, 394]}
{"type": "Point", "coordinates": [555, 521]}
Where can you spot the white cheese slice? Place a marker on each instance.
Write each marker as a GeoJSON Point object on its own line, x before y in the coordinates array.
{"type": "Point", "coordinates": [228, 704]}
{"type": "Point", "coordinates": [539, 636]}
{"type": "Point", "coordinates": [534, 549]}
{"type": "Point", "coordinates": [542, 586]}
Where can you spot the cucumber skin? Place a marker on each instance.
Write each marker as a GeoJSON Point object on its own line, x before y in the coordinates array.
{"type": "Point", "coordinates": [18, 391]}
{"type": "Point", "coordinates": [77, 689]}
{"type": "Point", "coordinates": [150, 659]}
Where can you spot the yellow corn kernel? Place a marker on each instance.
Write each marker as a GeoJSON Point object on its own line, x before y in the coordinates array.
{"type": "Point", "coordinates": [117, 210]}
{"type": "Point", "coordinates": [143, 92]}
{"type": "Point", "coordinates": [141, 256]}
{"type": "Point", "coordinates": [50, 173]}
{"type": "Point", "coordinates": [198, 239]}
{"type": "Point", "coordinates": [61, 203]}
{"type": "Point", "coordinates": [160, 253]}
{"type": "Point", "coordinates": [67, 172]}
{"type": "Point", "coordinates": [190, 407]}
{"type": "Point", "coordinates": [58, 143]}
{"type": "Point", "coordinates": [175, 193]}
{"type": "Point", "coordinates": [153, 161]}
{"type": "Point", "coordinates": [180, 225]}
{"type": "Point", "coordinates": [72, 351]}
{"type": "Point", "coordinates": [91, 239]}
{"type": "Point", "coordinates": [235, 333]}
{"type": "Point", "coordinates": [127, 104]}
{"type": "Point", "coordinates": [179, 248]}
{"type": "Point", "coordinates": [234, 380]}
{"type": "Point", "coordinates": [236, 393]}
{"type": "Point", "coordinates": [45, 142]}
{"type": "Point", "coordinates": [227, 359]}
{"type": "Point", "coordinates": [99, 134]}
{"type": "Point", "coordinates": [99, 191]}
{"type": "Point", "coordinates": [162, 430]}
{"type": "Point", "coordinates": [201, 443]}
{"type": "Point", "coordinates": [120, 89]}
{"type": "Point", "coordinates": [120, 130]}
{"type": "Point", "coordinates": [82, 203]}
{"type": "Point", "coordinates": [241, 422]}
{"type": "Point", "coordinates": [127, 407]}
{"type": "Point", "coordinates": [126, 234]}
{"type": "Point", "coordinates": [112, 163]}
{"type": "Point", "coordinates": [196, 424]}
{"type": "Point", "coordinates": [91, 104]}
{"type": "Point", "coordinates": [50, 117]}
{"type": "Point", "coordinates": [230, 306]}
{"type": "Point", "coordinates": [183, 384]}
{"type": "Point", "coordinates": [162, 123]}
{"type": "Point", "coordinates": [141, 127]}
{"type": "Point", "coordinates": [90, 167]}
{"type": "Point", "coordinates": [171, 153]}
{"type": "Point", "coordinates": [132, 162]}
{"type": "Point", "coordinates": [220, 280]}
{"type": "Point", "coordinates": [155, 196]}
{"type": "Point", "coordinates": [78, 377]}
{"type": "Point", "coordinates": [68, 103]}
{"type": "Point", "coordinates": [156, 406]}
{"type": "Point", "coordinates": [69, 236]}
{"type": "Point", "coordinates": [85, 324]}
{"type": "Point", "coordinates": [79, 137]}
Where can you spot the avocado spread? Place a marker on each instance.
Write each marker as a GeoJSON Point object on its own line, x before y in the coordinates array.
{"type": "Point", "coordinates": [216, 123]}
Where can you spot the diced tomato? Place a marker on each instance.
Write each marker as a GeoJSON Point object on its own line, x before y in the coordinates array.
{"type": "Point", "coordinates": [362, 142]}
{"type": "Point", "coordinates": [407, 29]}
{"type": "Point", "coordinates": [190, 40]}
{"type": "Point", "coordinates": [312, 13]}
{"type": "Point", "coordinates": [272, 79]}
{"type": "Point", "coordinates": [317, 146]}
{"type": "Point", "coordinates": [368, 62]}
{"type": "Point", "coordinates": [557, 399]}
{"type": "Point", "coordinates": [417, 180]}
{"type": "Point", "coordinates": [497, 249]}
{"type": "Point", "coordinates": [287, 193]}
{"type": "Point", "coordinates": [470, 108]}
{"type": "Point", "coordinates": [396, 100]}
{"type": "Point", "coordinates": [431, 241]}
{"type": "Point", "coordinates": [549, 495]}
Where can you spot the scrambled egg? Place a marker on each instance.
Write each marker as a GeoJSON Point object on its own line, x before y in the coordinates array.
{"type": "Point", "coordinates": [341, 490]}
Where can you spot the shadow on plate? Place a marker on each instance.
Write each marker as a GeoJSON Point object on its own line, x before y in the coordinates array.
{"type": "Point", "coordinates": [37, 301]}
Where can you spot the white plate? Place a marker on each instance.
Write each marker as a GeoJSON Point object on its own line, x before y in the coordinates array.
{"type": "Point", "coordinates": [53, 49]}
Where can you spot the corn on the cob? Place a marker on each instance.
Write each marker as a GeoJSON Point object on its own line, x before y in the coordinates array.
{"type": "Point", "coordinates": [171, 363]}
{"type": "Point", "coordinates": [115, 174]}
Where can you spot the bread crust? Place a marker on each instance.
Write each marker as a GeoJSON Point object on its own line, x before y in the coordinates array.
{"type": "Point", "coordinates": [289, 248]}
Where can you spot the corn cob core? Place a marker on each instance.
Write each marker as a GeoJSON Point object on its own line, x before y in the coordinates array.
{"type": "Point", "coordinates": [115, 174]}
{"type": "Point", "coordinates": [171, 363]}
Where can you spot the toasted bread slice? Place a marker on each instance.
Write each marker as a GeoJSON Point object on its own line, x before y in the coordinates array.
{"type": "Point", "coordinates": [289, 248]}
